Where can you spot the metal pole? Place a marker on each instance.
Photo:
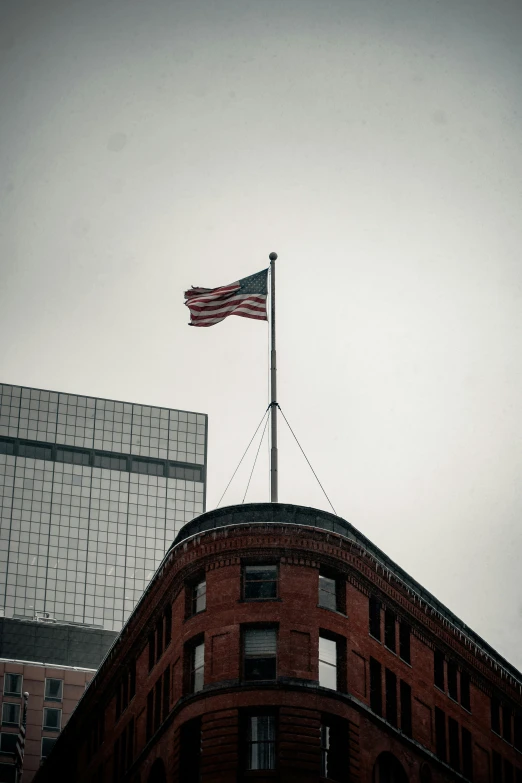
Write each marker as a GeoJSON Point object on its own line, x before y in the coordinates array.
{"type": "Point", "coordinates": [273, 385]}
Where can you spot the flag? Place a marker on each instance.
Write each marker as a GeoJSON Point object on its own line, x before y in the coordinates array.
{"type": "Point", "coordinates": [20, 740]}
{"type": "Point", "coordinates": [246, 297]}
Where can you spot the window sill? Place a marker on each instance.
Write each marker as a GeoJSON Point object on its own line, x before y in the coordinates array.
{"type": "Point", "coordinates": [334, 611]}
{"type": "Point", "coordinates": [15, 695]}
{"type": "Point", "coordinates": [51, 728]}
{"type": "Point", "coordinates": [394, 652]}
{"type": "Point", "coordinates": [374, 638]}
{"type": "Point", "coordinates": [10, 725]}
{"type": "Point", "coordinates": [258, 600]}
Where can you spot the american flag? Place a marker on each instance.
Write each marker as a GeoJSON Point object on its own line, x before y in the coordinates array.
{"type": "Point", "coordinates": [246, 297]}
{"type": "Point", "coordinates": [20, 740]}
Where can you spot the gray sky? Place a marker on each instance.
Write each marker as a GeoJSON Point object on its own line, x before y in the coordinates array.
{"type": "Point", "coordinates": [377, 147]}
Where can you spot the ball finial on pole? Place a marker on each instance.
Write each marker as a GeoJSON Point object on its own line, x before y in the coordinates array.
{"type": "Point", "coordinates": [273, 256]}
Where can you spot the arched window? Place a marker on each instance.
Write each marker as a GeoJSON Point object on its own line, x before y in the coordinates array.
{"type": "Point", "coordinates": [387, 769]}
{"type": "Point", "coordinates": [157, 773]}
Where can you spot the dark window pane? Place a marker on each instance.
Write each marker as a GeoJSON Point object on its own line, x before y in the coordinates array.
{"type": "Point", "coordinates": [157, 704]}
{"type": "Point", "coordinates": [497, 767]}
{"type": "Point", "coordinates": [110, 462]}
{"type": "Point", "coordinates": [149, 467]}
{"type": "Point", "coordinates": [464, 691]}
{"type": "Point", "coordinates": [389, 629]}
{"type": "Point", "coordinates": [506, 723]}
{"type": "Point", "coordinates": [52, 718]}
{"type": "Point", "coordinates": [439, 669]}
{"type": "Point", "coordinates": [6, 446]}
{"type": "Point", "coordinates": [34, 451]}
{"type": "Point", "coordinates": [152, 650]}
{"type": "Point", "coordinates": [10, 714]}
{"type": "Point", "coordinates": [391, 697]}
{"type": "Point", "coordinates": [190, 751]}
{"type": "Point", "coordinates": [404, 641]}
{"type": "Point", "coordinates": [168, 624]}
{"type": "Point", "coordinates": [452, 679]}
{"type": "Point", "coordinates": [8, 742]}
{"type": "Point", "coordinates": [13, 684]}
{"type": "Point", "coordinates": [47, 745]}
{"type": "Point", "coordinates": [132, 679]}
{"type": "Point", "coordinates": [453, 734]}
{"type": "Point", "coordinates": [334, 749]}
{"type": "Point", "coordinates": [260, 647]}
{"type": "Point", "coordinates": [261, 742]}
{"type": "Point", "coordinates": [440, 733]}
{"type": "Point", "coordinates": [375, 617]}
{"type": "Point", "coordinates": [53, 689]}
{"type": "Point", "coordinates": [159, 638]}
{"type": "Point", "coordinates": [327, 593]}
{"type": "Point", "coordinates": [508, 771]}
{"type": "Point", "coordinates": [150, 713]}
{"type": "Point", "coordinates": [72, 456]}
{"type": "Point", "coordinates": [166, 692]}
{"type": "Point", "coordinates": [518, 731]}
{"type": "Point", "coordinates": [406, 725]}
{"type": "Point", "coordinates": [467, 755]}
{"type": "Point", "coordinates": [260, 582]}
{"type": "Point", "coordinates": [495, 715]}
{"type": "Point", "coordinates": [375, 686]}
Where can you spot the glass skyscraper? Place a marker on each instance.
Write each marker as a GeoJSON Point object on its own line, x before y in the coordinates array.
{"type": "Point", "coordinates": [92, 493]}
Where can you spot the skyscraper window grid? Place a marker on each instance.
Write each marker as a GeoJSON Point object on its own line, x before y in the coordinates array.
{"type": "Point", "coordinates": [81, 542]}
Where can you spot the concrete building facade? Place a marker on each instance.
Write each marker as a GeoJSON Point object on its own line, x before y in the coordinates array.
{"type": "Point", "coordinates": [276, 643]}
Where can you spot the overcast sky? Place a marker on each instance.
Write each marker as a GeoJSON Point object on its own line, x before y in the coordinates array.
{"type": "Point", "coordinates": [377, 147]}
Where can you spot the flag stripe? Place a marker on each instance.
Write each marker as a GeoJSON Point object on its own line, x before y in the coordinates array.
{"type": "Point", "coordinates": [246, 298]}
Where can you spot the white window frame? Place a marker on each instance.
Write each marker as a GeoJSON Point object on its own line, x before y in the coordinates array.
{"type": "Point", "coordinates": [53, 698]}
{"type": "Point", "coordinates": [10, 704]}
{"type": "Point", "coordinates": [14, 674]}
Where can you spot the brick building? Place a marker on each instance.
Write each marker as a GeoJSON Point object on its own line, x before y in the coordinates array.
{"type": "Point", "coordinates": [276, 642]}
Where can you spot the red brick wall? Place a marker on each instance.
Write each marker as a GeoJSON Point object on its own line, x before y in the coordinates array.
{"type": "Point", "coordinates": [300, 702]}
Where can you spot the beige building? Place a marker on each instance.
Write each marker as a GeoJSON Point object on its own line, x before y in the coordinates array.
{"type": "Point", "coordinates": [54, 692]}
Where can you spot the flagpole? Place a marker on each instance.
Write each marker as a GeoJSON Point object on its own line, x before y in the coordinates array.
{"type": "Point", "coordinates": [273, 385]}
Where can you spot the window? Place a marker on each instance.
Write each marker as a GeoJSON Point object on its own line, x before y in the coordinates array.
{"type": "Point", "coordinates": [518, 731]}
{"type": "Point", "coordinates": [152, 650]}
{"type": "Point", "coordinates": [452, 679]}
{"type": "Point", "coordinates": [334, 748]}
{"type": "Point", "coordinates": [190, 751]}
{"type": "Point", "coordinates": [454, 751]}
{"type": "Point", "coordinates": [6, 446]}
{"type": "Point", "coordinates": [259, 582]}
{"type": "Point", "coordinates": [34, 451]}
{"type": "Point", "coordinates": [13, 684]}
{"type": "Point", "coordinates": [390, 680]}
{"type": "Point", "coordinates": [327, 663]}
{"type": "Point", "coordinates": [406, 726]}
{"type": "Point", "coordinates": [389, 629]}
{"type": "Point", "coordinates": [149, 467]}
{"type": "Point", "coordinates": [157, 704]}
{"type": "Point", "coordinates": [167, 617]}
{"type": "Point", "coordinates": [497, 767]}
{"type": "Point", "coordinates": [10, 714]}
{"type": "Point", "coordinates": [8, 742]}
{"type": "Point", "coordinates": [464, 691]}
{"type": "Point", "coordinates": [8, 771]}
{"type": "Point", "coordinates": [47, 745]}
{"type": "Point", "coordinates": [198, 597]}
{"type": "Point", "coordinates": [327, 593]}
{"type": "Point", "coordinates": [508, 771]}
{"type": "Point", "coordinates": [495, 716]}
{"type": "Point", "coordinates": [506, 723]}
{"type": "Point", "coordinates": [166, 692]}
{"type": "Point", "coordinates": [260, 653]}
{"type": "Point", "coordinates": [440, 733]}
{"type": "Point", "coordinates": [150, 714]}
{"type": "Point", "coordinates": [159, 638]}
{"type": "Point", "coordinates": [467, 755]}
{"type": "Point", "coordinates": [197, 667]}
{"type": "Point", "coordinates": [110, 462]}
{"type": "Point", "coordinates": [53, 689]}
{"type": "Point", "coordinates": [73, 456]}
{"type": "Point", "coordinates": [375, 686]}
{"type": "Point", "coordinates": [404, 641]}
{"type": "Point", "coordinates": [52, 719]}
{"type": "Point", "coordinates": [375, 617]}
{"type": "Point", "coordinates": [261, 739]}
{"type": "Point", "coordinates": [438, 666]}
